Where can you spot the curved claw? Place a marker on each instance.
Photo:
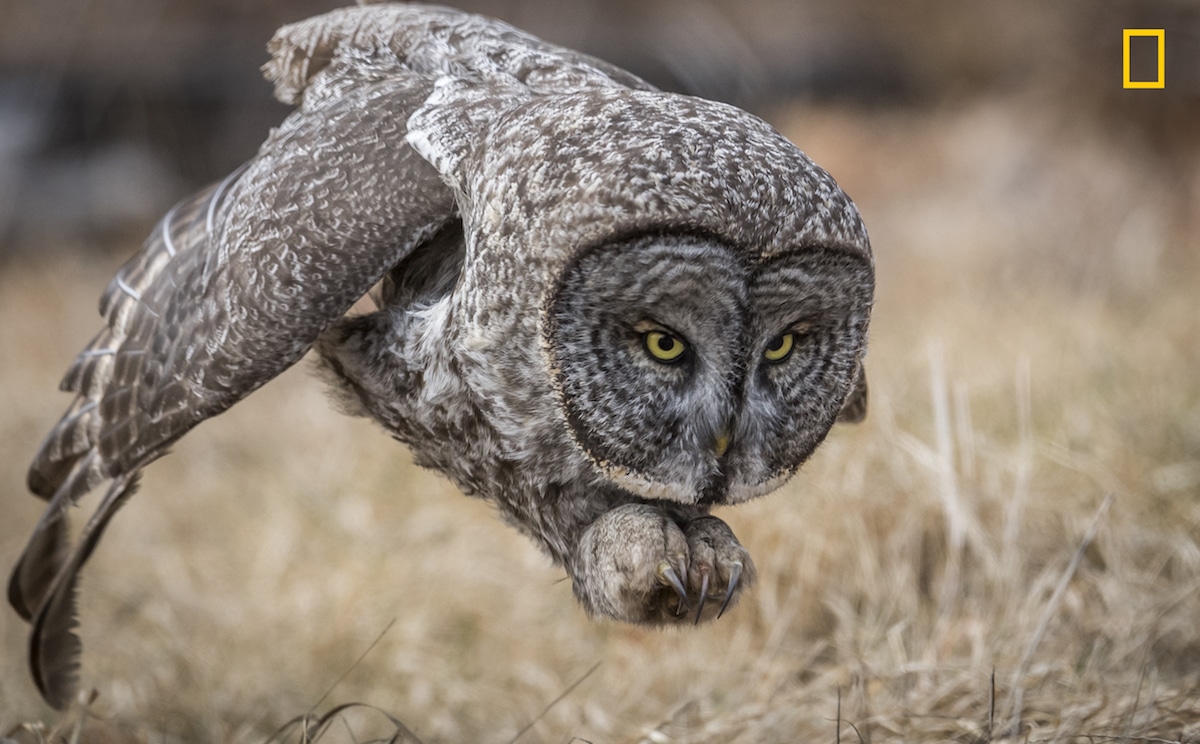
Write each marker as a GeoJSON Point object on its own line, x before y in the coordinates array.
{"type": "Point", "coordinates": [668, 577]}
{"type": "Point", "coordinates": [703, 596]}
{"type": "Point", "coordinates": [735, 573]}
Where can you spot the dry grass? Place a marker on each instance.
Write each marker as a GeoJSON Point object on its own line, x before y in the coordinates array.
{"type": "Point", "coordinates": [1035, 350]}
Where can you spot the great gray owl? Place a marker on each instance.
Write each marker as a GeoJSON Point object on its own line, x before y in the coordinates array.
{"type": "Point", "coordinates": [602, 307]}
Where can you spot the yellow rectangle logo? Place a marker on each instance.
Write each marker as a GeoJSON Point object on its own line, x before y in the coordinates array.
{"type": "Point", "coordinates": [1161, 80]}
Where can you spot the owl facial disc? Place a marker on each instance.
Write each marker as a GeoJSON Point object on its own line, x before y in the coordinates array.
{"type": "Point", "coordinates": [678, 362]}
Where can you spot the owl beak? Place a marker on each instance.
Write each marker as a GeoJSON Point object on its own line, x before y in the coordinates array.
{"type": "Point", "coordinates": [722, 443]}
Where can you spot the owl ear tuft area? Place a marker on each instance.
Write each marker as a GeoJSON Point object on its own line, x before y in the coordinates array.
{"type": "Point", "coordinates": [447, 128]}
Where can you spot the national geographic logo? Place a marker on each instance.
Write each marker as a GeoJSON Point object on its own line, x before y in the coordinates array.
{"type": "Point", "coordinates": [1144, 58]}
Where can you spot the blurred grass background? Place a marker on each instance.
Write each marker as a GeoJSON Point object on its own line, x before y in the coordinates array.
{"type": "Point", "coordinates": [1034, 349]}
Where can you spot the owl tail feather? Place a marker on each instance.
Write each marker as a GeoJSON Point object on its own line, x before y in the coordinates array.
{"type": "Point", "coordinates": [46, 578]}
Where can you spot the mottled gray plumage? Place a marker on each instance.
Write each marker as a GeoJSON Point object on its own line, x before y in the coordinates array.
{"type": "Point", "coordinates": [602, 307]}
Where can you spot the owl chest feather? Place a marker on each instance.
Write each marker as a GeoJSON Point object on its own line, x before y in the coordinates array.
{"type": "Point", "coordinates": [457, 407]}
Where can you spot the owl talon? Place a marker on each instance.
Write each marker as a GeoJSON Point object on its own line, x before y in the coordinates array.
{"type": "Point", "coordinates": [704, 596]}
{"type": "Point", "coordinates": [667, 575]}
{"type": "Point", "coordinates": [735, 573]}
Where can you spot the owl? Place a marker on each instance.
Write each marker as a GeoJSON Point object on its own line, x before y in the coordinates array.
{"type": "Point", "coordinates": [604, 308]}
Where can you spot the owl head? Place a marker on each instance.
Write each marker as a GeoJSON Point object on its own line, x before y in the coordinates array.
{"type": "Point", "coordinates": [694, 291]}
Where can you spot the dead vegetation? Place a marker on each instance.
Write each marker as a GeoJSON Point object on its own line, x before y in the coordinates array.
{"type": "Point", "coordinates": [952, 570]}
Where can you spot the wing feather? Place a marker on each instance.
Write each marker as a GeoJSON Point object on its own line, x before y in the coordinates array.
{"type": "Point", "coordinates": [54, 646]}
{"type": "Point", "coordinates": [427, 40]}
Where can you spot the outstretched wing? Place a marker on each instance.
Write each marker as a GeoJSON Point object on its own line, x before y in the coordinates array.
{"type": "Point", "coordinates": [238, 281]}
{"type": "Point", "coordinates": [232, 287]}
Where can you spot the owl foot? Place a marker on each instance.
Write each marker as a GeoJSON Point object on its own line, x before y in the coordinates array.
{"type": "Point", "coordinates": [632, 564]}
{"type": "Point", "coordinates": [719, 568]}
{"type": "Point", "coordinates": [636, 564]}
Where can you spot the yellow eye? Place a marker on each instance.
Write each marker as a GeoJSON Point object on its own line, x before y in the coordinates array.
{"type": "Point", "coordinates": [663, 347]}
{"type": "Point", "coordinates": [780, 347]}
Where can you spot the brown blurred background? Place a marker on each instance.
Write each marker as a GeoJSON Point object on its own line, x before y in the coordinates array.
{"type": "Point", "coordinates": [110, 111]}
